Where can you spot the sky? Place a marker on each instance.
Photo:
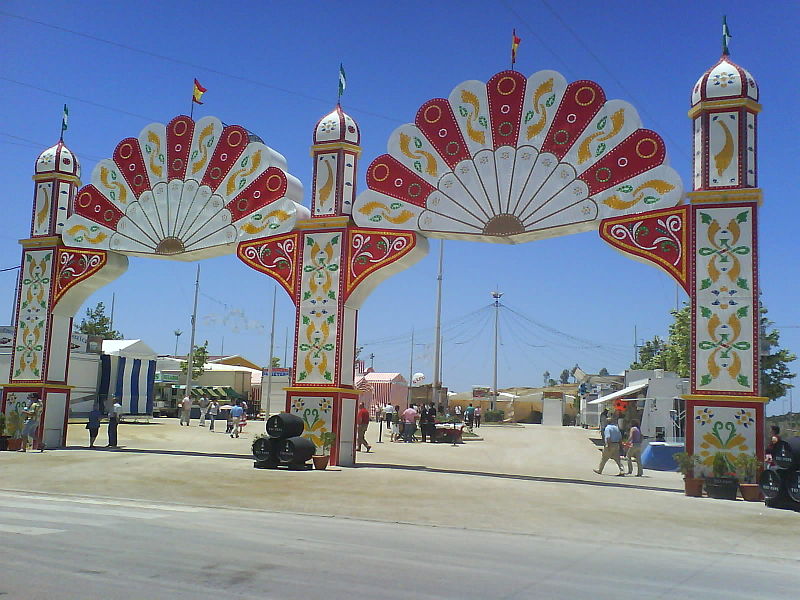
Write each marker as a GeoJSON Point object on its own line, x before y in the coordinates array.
{"type": "Point", "coordinates": [273, 68]}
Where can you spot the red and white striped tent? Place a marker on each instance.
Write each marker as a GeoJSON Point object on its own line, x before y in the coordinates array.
{"type": "Point", "coordinates": [378, 389]}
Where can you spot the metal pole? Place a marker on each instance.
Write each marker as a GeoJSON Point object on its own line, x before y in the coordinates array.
{"type": "Point", "coordinates": [111, 324]}
{"type": "Point", "coordinates": [411, 367]}
{"type": "Point", "coordinates": [269, 358]}
{"type": "Point", "coordinates": [190, 358]}
{"type": "Point", "coordinates": [177, 333]}
{"type": "Point", "coordinates": [437, 374]}
{"type": "Point", "coordinates": [496, 295]}
{"type": "Point", "coordinates": [285, 346]}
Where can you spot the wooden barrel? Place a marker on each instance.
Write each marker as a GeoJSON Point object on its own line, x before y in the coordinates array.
{"type": "Point", "coordinates": [284, 425]}
{"type": "Point", "coordinates": [786, 453]}
{"type": "Point", "coordinates": [296, 450]}
{"type": "Point", "coordinates": [265, 449]}
{"type": "Point", "coordinates": [771, 484]}
{"type": "Point", "coordinates": [792, 479]}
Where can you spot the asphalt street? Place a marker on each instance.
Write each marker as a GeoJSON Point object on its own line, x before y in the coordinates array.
{"type": "Point", "coordinates": [83, 547]}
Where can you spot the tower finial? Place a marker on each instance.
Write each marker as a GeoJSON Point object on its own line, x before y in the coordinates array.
{"type": "Point", "coordinates": [64, 119]}
{"type": "Point", "coordinates": [726, 35]}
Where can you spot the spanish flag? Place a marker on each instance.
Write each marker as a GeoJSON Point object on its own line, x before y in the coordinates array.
{"type": "Point", "coordinates": [514, 45]}
{"type": "Point", "coordinates": [198, 92]}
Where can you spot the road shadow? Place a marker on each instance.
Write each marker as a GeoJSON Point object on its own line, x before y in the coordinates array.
{"type": "Point", "coordinates": [123, 449]}
{"type": "Point", "coordinates": [568, 480]}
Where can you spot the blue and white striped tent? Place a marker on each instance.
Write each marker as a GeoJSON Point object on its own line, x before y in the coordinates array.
{"type": "Point", "coordinates": [130, 379]}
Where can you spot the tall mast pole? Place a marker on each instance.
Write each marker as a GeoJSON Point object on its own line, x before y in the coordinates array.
{"type": "Point", "coordinates": [437, 352]}
{"type": "Point", "coordinates": [190, 359]}
{"type": "Point", "coordinates": [269, 358]}
{"type": "Point", "coordinates": [496, 295]}
{"type": "Point", "coordinates": [113, 300]}
{"type": "Point", "coordinates": [410, 367]}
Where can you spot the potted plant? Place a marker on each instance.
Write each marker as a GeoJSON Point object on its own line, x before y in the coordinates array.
{"type": "Point", "coordinates": [692, 485]}
{"type": "Point", "coordinates": [3, 436]}
{"type": "Point", "coordinates": [14, 425]}
{"type": "Point", "coordinates": [724, 485]}
{"type": "Point", "coordinates": [747, 469]}
{"type": "Point", "coordinates": [321, 460]}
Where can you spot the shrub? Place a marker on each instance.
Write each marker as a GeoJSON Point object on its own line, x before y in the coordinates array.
{"type": "Point", "coordinates": [494, 416]}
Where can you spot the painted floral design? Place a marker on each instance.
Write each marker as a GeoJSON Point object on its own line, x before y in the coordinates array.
{"type": "Point", "coordinates": [705, 416]}
{"type": "Point", "coordinates": [744, 417]}
{"type": "Point", "coordinates": [723, 79]}
{"type": "Point", "coordinates": [723, 437]}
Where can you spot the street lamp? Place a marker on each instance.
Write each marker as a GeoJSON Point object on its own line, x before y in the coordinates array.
{"type": "Point", "coordinates": [177, 333]}
{"type": "Point", "coordinates": [496, 295]}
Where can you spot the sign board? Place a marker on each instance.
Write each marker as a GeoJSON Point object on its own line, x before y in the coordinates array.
{"type": "Point", "coordinates": [276, 372]}
{"type": "Point", "coordinates": [6, 336]}
{"type": "Point", "coordinates": [166, 377]}
{"type": "Point", "coordinates": [481, 391]}
{"type": "Point", "coordinates": [79, 342]}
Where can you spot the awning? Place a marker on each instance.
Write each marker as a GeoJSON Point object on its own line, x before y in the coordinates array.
{"type": "Point", "coordinates": [636, 386]}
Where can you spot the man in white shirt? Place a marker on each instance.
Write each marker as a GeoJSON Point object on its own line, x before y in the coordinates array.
{"type": "Point", "coordinates": [186, 410]}
{"type": "Point", "coordinates": [203, 410]}
{"type": "Point", "coordinates": [612, 437]}
{"type": "Point", "coordinates": [114, 417]}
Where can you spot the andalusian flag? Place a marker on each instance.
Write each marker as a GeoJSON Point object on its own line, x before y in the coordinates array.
{"type": "Point", "coordinates": [514, 45]}
{"type": "Point", "coordinates": [342, 80]}
{"type": "Point", "coordinates": [726, 35]}
{"type": "Point", "coordinates": [64, 120]}
{"type": "Point", "coordinates": [198, 92]}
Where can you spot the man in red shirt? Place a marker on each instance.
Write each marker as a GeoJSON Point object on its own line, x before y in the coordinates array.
{"type": "Point", "coordinates": [362, 421]}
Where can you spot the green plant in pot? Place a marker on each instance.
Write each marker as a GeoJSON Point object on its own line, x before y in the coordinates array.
{"type": "Point", "coordinates": [321, 461]}
{"type": "Point", "coordinates": [724, 485]}
{"type": "Point", "coordinates": [3, 436]}
{"type": "Point", "coordinates": [686, 462]}
{"type": "Point", "coordinates": [747, 468]}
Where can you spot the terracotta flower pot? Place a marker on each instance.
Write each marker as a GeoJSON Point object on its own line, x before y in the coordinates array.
{"type": "Point", "coordinates": [14, 443]}
{"type": "Point", "coordinates": [750, 492]}
{"type": "Point", "coordinates": [320, 461]}
{"type": "Point", "coordinates": [693, 487]}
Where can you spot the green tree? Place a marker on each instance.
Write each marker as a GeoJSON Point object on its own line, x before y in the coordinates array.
{"type": "Point", "coordinates": [199, 359]}
{"type": "Point", "coordinates": [603, 372]}
{"type": "Point", "coordinates": [564, 377]}
{"type": "Point", "coordinates": [775, 374]}
{"type": "Point", "coordinates": [97, 323]}
{"type": "Point", "coordinates": [546, 377]}
{"type": "Point", "coordinates": [551, 383]}
{"type": "Point", "coordinates": [674, 354]}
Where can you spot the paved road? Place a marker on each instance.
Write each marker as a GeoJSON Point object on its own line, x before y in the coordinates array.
{"type": "Point", "coordinates": [65, 547]}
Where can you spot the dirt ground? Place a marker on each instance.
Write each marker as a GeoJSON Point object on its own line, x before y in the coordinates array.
{"type": "Point", "coordinates": [525, 479]}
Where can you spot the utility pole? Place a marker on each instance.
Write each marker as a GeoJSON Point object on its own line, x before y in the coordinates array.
{"type": "Point", "coordinates": [635, 345]}
{"type": "Point", "coordinates": [285, 346]}
{"type": "Point", "coordinates": [269, 358]}
{"type": "Point", "coordinates": [111, 324]}
{"type": "Point", "coordinates": [190, 358]}
{"type": "Point", "coordinates": [496, 295]}
{"type": "Point", "coordinates": [437, 348]}
{"type": "Point", "coordinates": [371, 360]}
{"type": "Point", "coordinates": [410, 368]}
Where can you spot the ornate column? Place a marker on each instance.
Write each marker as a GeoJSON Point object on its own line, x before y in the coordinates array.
{"type": "Point", "coordinates": [725, 410]}
{"type": "Point", "coordinates": [329, 266]}
{"type": "Point", "coordinates": [47, 299]}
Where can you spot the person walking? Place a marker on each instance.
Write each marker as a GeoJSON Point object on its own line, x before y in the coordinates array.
{"type": "Point", "coordinates": [469, 415]}
{"type": "Point", "coordinates": [243, 420]}
{"type": "Point", "coordinates": [612, 437]}
{"type": "Point", "coordinates": [388, 415]}
{"type": "Point", "coordinates": [477, 416]}
{"type": "Point", "coordinates": [236, 416]}
{"type": "Point", "coordinates": [114, 417]}
{"type": "Point", "coordinates": [213, 411]}
{"type": "Point", "coordinates": [204, 404]}
{"type": "Point", "coordinates": [427, 422]}
{"type": "Point", "coordinates": [31, 425]}
{"type": "Point", "coordinates": [93, 425]}
{"type": "Point", "coordinates": [634, 448]}
{"type": "Point", "coordinates": [362, 422]}
{"type": "Point", "coordinates": [409, 424]}
{"type": "Point", "coordinates": [395, 436]}
{"type": "Point", "coordinates": [186, 410]}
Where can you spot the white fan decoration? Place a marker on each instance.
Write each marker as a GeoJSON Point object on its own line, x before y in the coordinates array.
{"type": "Point", "coordinates": [517, 159]}
{"type": "Point", "coordinates": [185, 191]}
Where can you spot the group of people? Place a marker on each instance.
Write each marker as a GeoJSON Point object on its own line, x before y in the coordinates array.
{"type": "Point", "coordinates": [236, 416]}
{"type": "Point", "coordinates": [114, 418]}
{"type": "Point", "coordinates": [403, 425]}
{"type": "Point", "coordinates": [613, 444]}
